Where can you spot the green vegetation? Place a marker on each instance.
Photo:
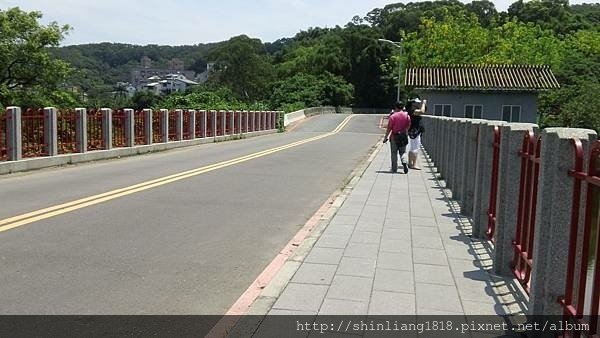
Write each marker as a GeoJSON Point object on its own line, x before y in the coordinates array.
{"type": "Point", "coordinates": [340, 66]}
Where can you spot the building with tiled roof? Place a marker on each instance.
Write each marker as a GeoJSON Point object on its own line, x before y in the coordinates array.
{"type": "Point", "coordinates": [492, 92]}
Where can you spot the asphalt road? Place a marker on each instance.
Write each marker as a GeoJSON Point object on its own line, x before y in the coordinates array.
{"type": "Point", "coordinates": [191, 246]}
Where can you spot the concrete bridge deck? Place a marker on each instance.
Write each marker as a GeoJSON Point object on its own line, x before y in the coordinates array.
{"type": "Point", "coordinates": [396, 246]}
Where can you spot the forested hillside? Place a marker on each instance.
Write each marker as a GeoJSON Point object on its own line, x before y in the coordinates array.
{"type": "Point", "coordinates": [348, 66]}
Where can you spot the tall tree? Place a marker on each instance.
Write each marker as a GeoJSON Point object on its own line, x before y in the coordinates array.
{"type": "Point", "coordinates": [28, 73]}
{"type": "Point", "coordinates": [243, 65]}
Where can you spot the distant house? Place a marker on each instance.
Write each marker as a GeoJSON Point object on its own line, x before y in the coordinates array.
{"type": "Point", "coordinates": [169, 84]}
{"type": "Point", "coordinates": [140, 75]}
{"type": "Point", "coordinates": [492, 92]}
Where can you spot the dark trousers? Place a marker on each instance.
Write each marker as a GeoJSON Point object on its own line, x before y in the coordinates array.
{"type": "Point", "coordinates": [395, 151]}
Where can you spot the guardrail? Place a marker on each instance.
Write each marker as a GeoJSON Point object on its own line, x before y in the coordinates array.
{"type": "Point", "coordinates": [525, 194]}
{"type": "Point", "coordinates": [304, 113]}
{"type": "Point", "coordinates": [70, 136]}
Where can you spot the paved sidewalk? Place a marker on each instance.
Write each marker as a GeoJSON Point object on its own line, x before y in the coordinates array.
{"type": "Point", "coordinates": [397, 246]}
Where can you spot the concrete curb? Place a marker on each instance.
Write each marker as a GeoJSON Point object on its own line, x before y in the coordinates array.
{"type": "Point", "coordinates": [9, 167]}
{"type": "Point", "coordinates": [263, 303]}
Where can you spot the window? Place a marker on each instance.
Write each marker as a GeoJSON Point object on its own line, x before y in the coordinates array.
{"type": "Point", "coordinates": [511, 113]}
{"type": "Point", "coordinates": [442, 109]}
{"type": "Point", "coordinates": [473, 111]}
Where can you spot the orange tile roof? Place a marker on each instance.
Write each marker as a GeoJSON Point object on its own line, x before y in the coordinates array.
{"type": "Point", "coordinates": [481, 77]}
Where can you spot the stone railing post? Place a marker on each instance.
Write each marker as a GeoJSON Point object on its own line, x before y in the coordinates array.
{"type": "Point", "coordinates": [443, 143]}
{"type": "Point", "coordinates": [203, 123]}
{"type": "Point", "coordinates": [178, 124]}
{"type": "Point", "coordinates": [192, 126]}
{"type": "Point", "coordinates": [483, 177]}
{"type": "Point", "coordinates": [553, 218]}
{"type": "Point", "coordinates": [239, 121]}
{"type": "Point", "coordinates": [246, 126]}
{"type": "Point", "coordinates": [148, 126]}
{"type": "Point", "coordinates": [14, 134]}
{"type": "Point", "coordinates": [213, 122]}
{"type": "Point", "coordinates": [231, 122]}
{"type": "Point", "coordinates": [129, 127]}
{"type": "Point", "coordinates": [81, 129]}
{"type": "Point", "coordinates": [470, 167]}
{"type": "Point", "coordinates": [453, 150]}
{"type": "Point", "coordinates": [164, 119]}
{"type": "Point", "coordinates": [222, 121]}
{"type": "Point", "coordinates": [509, 178]}
{"type": "Point", "coordinates": [107, 128]}
{"type": "Point", "coordinates": [51, 131]}
{"type": "Point", "coordinates": [460, 159]}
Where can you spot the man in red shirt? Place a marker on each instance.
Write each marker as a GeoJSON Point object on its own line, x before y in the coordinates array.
{"type": "Point", "coordinates": [398, 124]}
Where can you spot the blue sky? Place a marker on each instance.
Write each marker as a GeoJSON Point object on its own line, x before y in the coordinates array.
{"type": "Point", "coordinates": [188, 22]}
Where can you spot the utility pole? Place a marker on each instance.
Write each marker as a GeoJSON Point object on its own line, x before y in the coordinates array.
{"type": "Point", "coordinates": [398, 45]}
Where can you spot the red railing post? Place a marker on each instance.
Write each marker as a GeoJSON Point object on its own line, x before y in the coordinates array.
{"type": "Point", "coordinates": [494, 185]}
{"type": "Point", "coordinates": [523, 241]}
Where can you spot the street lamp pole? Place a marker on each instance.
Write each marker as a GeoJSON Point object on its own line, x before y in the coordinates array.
{"type": "Point", "coordinates": [398, 45]}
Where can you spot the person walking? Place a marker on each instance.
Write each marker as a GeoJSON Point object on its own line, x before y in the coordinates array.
{"type": "Point", "coordinates": [396, 133]}
{"type": "Point", "coordinates": [416, 108]}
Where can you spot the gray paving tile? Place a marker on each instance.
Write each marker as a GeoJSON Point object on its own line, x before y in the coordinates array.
{"type": "Point", "coordinates": [396, 245]}
{"type": "Point", "coordinates": [433, 274]}
{"type": "Point", "coordinates": [333, 241]}
{"type": "Point", "coordinates": [395, 233]}
{"type": "Point", "coordinates": [427, 242]}
{"type": "Point", "coordinates": [391, 303]}
{"type": "Point", "coordinates": [279, 312]}
{"type": "Point", "coordinates": [360, 267]}
{"type": "Point", "coordinates": [360, 250]}
{"type": "Point", "coordinates": [343, 307]}
{"type": "Point", "coordinates": [324, 255]}
{"type": "Point", "coordinates": [310, 273]}
{"type": "Point", "coordinates": [458, 252]}
{"type": "Point", "coordinates": [429, 256]}
{"type": "Point", "coordinates": [369, 226]}
{"type": "Point", "coordinates": [395, 261]}
{"type": "Point", "coordinates": [365, 237]}
{"type": "Point", "coordinates": [394, 214]}
{"type": "Point", "coordinates": [438, 297]}
{"type": "Point", "coordinates": [344, 220]}
{"type": "Point", "coordinates": [338, 230]}
{"type": "Point", "coordinates": [301, 297]}
{"type": "Point", "coordinates": [425, 231]}
{"type": "Point", "coordinates": [476, 290]}
{"type": "Point", "coordinates": [394, 281]}
{"type": "Point", "coordinates": [417, 221]}
{"type": "Point", "coordinates": [485, 309]}
{"type": "Point", "coordinates": [350, 288]}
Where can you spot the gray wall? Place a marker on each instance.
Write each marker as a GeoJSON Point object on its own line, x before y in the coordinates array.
{"type": "Point", "coordinates": [492, 102]}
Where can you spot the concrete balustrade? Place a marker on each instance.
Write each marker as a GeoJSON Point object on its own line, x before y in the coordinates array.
{"type": "Point", "coordinates": [553, 216]}
{"type": "Point", "coordinates": [16, 163]}
{"type": "Point", "coordinates": [509, 180]}
{"type": "Point", "coordinates": [470, 166]}
{"type": "Point", "coordinates": [469, 171]}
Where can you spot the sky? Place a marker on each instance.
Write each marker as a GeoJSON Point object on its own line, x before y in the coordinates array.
{"type": "Point", "coordinates": [189, 22]}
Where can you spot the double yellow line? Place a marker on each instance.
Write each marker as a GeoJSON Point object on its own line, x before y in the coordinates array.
{"type": "Point", "coordinates": [38, 215]}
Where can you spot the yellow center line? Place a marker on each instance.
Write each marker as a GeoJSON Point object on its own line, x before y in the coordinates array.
{"type": "Point", "coordinates": [34, 216]}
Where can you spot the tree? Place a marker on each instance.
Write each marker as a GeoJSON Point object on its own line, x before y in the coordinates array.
{"type": "Point", "coordinates": [243, 65]}
{"type": "Point", "coordinates": [28, 73]}
{"type": "Point", "coordinates": [311, 91]}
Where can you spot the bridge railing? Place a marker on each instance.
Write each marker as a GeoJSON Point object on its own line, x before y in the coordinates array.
{"type": "Point", "coordinates": [526, 191]}
{"type": "Point", "coordinates": [48, 132]}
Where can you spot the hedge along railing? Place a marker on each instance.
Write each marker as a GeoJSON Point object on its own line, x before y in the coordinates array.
{"type": "Point", "coordinates": [50, 132]}
{"type": "Point", "coordinates": [541, 236]}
